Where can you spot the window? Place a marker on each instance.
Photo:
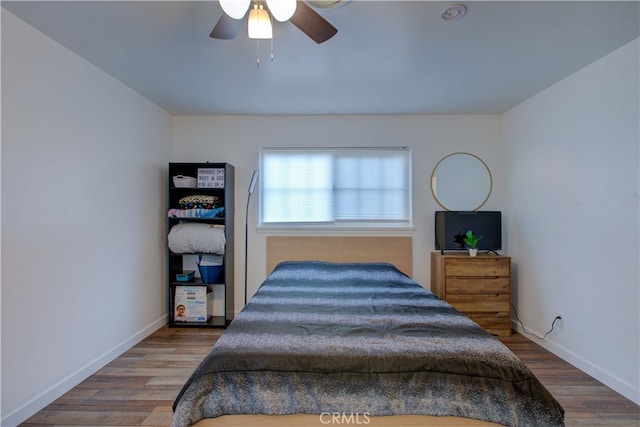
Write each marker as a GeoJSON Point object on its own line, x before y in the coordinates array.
{"type": "Point", "coordinates": [345, 186]}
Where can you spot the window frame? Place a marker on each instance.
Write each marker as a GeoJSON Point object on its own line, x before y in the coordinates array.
{"type": "Point", "coordinates": [354, 226]}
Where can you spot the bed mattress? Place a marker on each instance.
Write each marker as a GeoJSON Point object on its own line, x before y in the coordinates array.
{"type": "Point", "coordinates": [360, 339]}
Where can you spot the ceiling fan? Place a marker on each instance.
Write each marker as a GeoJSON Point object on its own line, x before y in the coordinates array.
{"type": "Point", "coordinates": [296, 12]}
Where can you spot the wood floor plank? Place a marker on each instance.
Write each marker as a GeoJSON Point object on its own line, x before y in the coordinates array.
{"type": "Point", "coordinates": [100, 381]}
{"type": "Point", "coordinates": [138, 388]}
{"type": "Point", "coordinates": [144, 395]}
{"type": "Point", "coordinates": [84, 418]}
{"type": "Point", "coordinates": [161, 416]}
{"type": "Point", "coordinates": [167, 381]}
{"type": "Point", "coordinates": [144, 371]}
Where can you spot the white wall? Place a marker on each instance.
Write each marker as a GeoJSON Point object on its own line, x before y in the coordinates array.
{"type": "Point", "coordinates": [571, 168]}
{"type": "Point", "coordinates": [237, 139]}
{"type": "Point", "coordinates": [83, 189]}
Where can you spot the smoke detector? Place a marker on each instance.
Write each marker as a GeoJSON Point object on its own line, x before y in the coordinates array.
{"type": "Point", "coordinates": [456, 11]}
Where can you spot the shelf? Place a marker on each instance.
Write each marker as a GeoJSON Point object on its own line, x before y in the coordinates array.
{"type": "Point", "coordinates": [195, 282]}
{"type": "Point", "coordinates": [192, 189]}
{"type": "Point", "coordinates": [193, 253]}
{"type": "Point", "coordinates": [213, 321]}
{"type": "Point", "coordinates": [177, 262]}
{"type": "Point", "coordinates": [218, 219]}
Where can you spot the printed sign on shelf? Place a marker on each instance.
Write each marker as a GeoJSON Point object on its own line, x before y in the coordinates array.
{"type": "Point", "coordinates": [211, 178]}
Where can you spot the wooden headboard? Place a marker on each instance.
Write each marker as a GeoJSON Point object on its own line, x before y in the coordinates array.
{"type": "Point", "coordinates": [395, 250]}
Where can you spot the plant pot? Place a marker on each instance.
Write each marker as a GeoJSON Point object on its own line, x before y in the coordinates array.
{"type": "Point", "coordinates": [473, 252]}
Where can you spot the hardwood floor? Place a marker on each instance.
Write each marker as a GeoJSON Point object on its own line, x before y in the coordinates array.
{"type": "Point", "coordinates": [138, 388]}
{"type": "Point", "coordinates": [586, 402]}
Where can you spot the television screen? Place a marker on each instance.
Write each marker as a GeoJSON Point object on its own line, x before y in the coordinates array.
{"type": "Point", "coordinates": [452, 225]}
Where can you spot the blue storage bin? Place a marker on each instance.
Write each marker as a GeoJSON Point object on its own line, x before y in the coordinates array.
{"type": "Point", "coordinates": [185, 276]}
{"type": "Point", "coordinates": [211, 273]}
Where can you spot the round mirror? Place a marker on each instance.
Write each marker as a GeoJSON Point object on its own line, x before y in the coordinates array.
{"type": "Point", "coordinates": [461, 182]}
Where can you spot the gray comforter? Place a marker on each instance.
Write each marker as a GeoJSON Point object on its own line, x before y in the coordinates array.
{"type": "Point", "coordinates": [360, 339]}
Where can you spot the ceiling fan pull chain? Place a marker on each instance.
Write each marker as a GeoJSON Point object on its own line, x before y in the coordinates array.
{"type": "Point", "coordinates": [271, 19]}
{"type": "Point", "coordinates": [257, 52]}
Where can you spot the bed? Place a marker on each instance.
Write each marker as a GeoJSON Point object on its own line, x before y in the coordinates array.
{"type": "Point", "coordinates": [358, 343]}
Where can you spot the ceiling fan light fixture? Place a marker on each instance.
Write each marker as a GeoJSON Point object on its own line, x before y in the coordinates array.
{"type": "Point", "coordinates": [259, 23]}
{"type": "Point", "coordinates": [236, 9]}
{"type": "Point", "coordinates": [282, 10]}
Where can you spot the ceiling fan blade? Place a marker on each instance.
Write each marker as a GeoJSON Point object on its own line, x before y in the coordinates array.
{"type": "Point", "coordinates": [226, 28]}
{"type": "Point", "coordinates": [312, 24]}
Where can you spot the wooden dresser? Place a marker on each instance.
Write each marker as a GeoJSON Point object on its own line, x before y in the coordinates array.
{"type": "Point", "coordinates": [479, 287]}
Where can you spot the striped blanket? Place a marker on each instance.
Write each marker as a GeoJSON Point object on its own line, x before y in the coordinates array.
{"type": "Point", "coordinates": [360, 338]}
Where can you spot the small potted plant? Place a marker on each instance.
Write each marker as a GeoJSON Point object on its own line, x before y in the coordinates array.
{"type": "Point", "coordinates": [472, 242]}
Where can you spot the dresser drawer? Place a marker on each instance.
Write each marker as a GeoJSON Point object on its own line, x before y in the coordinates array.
{"type": "Point", "coordinates": [493, 303]}
{"type": "Point", "coordinates": [494, 323]}
{"type": "Point", "coordinates": [477, 266]}
{"type": "Point", "coordinates": [477, 285]}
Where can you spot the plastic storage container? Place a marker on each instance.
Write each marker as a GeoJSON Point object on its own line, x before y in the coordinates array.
{"type": "Point", "coordinates": [211, 273]}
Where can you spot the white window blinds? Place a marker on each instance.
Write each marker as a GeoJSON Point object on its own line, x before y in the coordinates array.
{"type": "Point", "coordinates": [349, 185]}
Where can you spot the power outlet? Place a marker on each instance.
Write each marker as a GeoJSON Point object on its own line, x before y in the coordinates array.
{"type": "Point", "coordinates": [560, 322]}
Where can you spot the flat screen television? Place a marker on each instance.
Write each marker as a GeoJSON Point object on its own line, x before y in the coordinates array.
{"type": "Point", "coordinates": [451, 225]}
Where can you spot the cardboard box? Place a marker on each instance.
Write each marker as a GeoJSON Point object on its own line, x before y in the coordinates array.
{"type": "Point", "coordinates": [193, 304]}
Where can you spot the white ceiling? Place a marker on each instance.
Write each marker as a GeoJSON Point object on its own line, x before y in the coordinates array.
{"type": "Point", "coordinates": [389, 57]}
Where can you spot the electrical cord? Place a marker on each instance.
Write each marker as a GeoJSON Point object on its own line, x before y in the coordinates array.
{"type": "Point", "coordinates": [553, 324]}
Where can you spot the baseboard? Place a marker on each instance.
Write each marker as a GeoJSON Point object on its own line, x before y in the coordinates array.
{"type": "Point", "coordinates": [46, 397]}
{"type": "Point", "coordinates": [611, 381]}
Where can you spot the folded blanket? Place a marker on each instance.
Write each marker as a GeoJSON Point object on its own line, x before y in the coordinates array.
{"type": "Point", "coordinates": [199, 202]}
{"type": "Point", "coordinates": [196, 213]}
{"type": "Point", "coordinates": [193, 237]}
